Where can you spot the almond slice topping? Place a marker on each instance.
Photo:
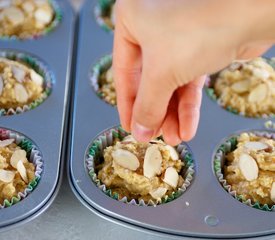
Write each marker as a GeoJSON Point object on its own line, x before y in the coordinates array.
{"type": "Point", "coordinates": [272, 192]}
{"type": "Point", "coordinates": [6, 176]}
{"type": "Point", "coordinates": [241, 86]}
{"type": "Point", "coordinates": [43, 16]}
{"type": "Point", "coordinates": [18, 155]}
{"type": "Point", "coordinates": [158, 193]}
{"type": "Point", "coordinates": [248, 167]}
{"type": "Point", "coordinates": [21, 94]}
{"type": "Point", "coordinates": [22, 171]}
{"type": "Point", "coordinates": [258, 94]}
{"type": "Point", "coordinates": [171, 177]}
{"type": "Point", "coordinates": [129, 138]}
{"type": "Point", "coordinates": [14, 15]}
{"type": "Point", "coordinates": [257, 146]}
{"type": "Point", "coordinates": [18, 73]}
{"type": "Point", "coordinates": [125, 159]}
{"type": "Point", "coordinates": [6, 142]}
{"type": "Point", "coordinates": [173, 152]}
{"type": "Point", "coordinates": [152, 162]}
{"type": "Point", "coordinates": [36, 78]}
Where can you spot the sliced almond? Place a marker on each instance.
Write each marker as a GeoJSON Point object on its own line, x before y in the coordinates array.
{"type": "Point", "coordinates": [14, 15]}
{"type": "Point", "coordinates": [1, 85]}
{"type": "Point", "coordinates": [18, 155]}
{"type": "Point", "coordinates": [6, 142]}
{"type": "Point", "coordinates": [21, 94]}
{"type": "Point", "coordinates": [171, 177]}
{"type": "Point", "coordinates": [22, 171]}
{"type": "Point", "coordinates": [152, 162]}
{"type": "Point", "coordinates": [257, 146]}
{"type": "Point", "coordinates": [158, 193]}
{"type": "Point", "coordinates": [109, 75]}
{"type": "Point", "coordinates": [241, 86]}
{"type": "Point", "coordinates": [129, 138]}
{"type": "Point", "coordinates": [258, 94]}
{"type": "Point", "coordinates": [173, 152]}
{"type": "Point", "coordinates": [261, 73]}
{"type": "Point", "coordinates": [248, 167]}
{"type": "Point", "coordinates": [38, 79]}
{"type": "Point", "coordinates": [6, 176]}
{"type": "Point", "coordinates": [18, 73]}
{"type": "Point", "coordinates": [125, 159]}
{"type": "Point", "coordinates": [43, 15]}
{"type": "Point", "coordinates": [28, 6]}
{"type": "Point", "coordinates": [272, 192]}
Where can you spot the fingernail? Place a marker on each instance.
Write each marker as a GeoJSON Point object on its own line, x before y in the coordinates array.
{"type": "Point", "coordinates": [141, 133]}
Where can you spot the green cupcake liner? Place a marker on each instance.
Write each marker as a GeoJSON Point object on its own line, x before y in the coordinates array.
{"type": "Point", "coordinates": [103, 65]}
{"type": "Point", "coordinates": [105, 139]}
{"type": "Point", "coordinates": [102, 10]}
{"type": "Point", "coordinates": [41, 69]}
{"type": "Point", "coordinates": [226, 147]}
{"type": "Point", "coordinates": [210, 92]}
{"type": "Point", "coordinates": [33, 155]}
{"type": "Point", "coordinates": [56, 21]}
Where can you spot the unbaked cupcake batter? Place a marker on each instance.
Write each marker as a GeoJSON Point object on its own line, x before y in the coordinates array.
{"type": "Point", "coordinates": [25, 18]}
{"type": "Point", "coordinates": [19, 84]}
{"type": "Point", "coordinates": [16, 172]}
{"type": "Point", "coordinates": [141, 170]}
{"type": "Point", "coordinates": [248, 88]}
{"type": "Point", "coordinates": [250, 169]}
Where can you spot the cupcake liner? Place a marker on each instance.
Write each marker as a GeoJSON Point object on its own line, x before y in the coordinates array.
{"type": "Point", "coordinates": [101, 66]}
{"type": "Point", "coordinates": [56, 21]}
{"type": "Point", "coordinates": [106, 138]}
{"type": "Point", "coordinates": [210, 91]}
{"type": "Point", "coordinates": [102, 9]}
{"type": "Point", "coordinates": [230, 145]}
{"type": "Point", "coordinates": [40, 68]}
{"type": "Point", "coordinates": [33, 155]}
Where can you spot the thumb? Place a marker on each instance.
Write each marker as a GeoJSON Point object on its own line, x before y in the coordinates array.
{"type": "Point", "coordinates": [151, 103]}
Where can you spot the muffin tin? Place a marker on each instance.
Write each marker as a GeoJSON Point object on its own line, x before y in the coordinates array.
{"type": "Point", "coordinates": [45, 125]}
{"type": "Point", "coordinates": [205, 209]}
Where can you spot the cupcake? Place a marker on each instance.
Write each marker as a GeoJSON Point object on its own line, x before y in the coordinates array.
{"type": "Point", "coordinates": [248, 171]}
{"type": "Point", "coordinates": [103, 81]}
{"type": "Point", "coordinates": [20, 168]}
{"type": "Point", "coordinates": [143, 173]}
{"type": "Point", "coordinates": [104, 13]}
{"type": "Point", "coordinates": [247, 88]}
{"type": "Point", "coordinates": [21, 86]}
{"type": "Point", "coordinates": [26, 18]}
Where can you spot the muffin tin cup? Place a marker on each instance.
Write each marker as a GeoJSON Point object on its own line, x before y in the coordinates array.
{"type": "Point", "coordinates": [102, 9]}
{"type": "Point", "coordinates": [102, 65]}
{"type": "Point", "coordinates": [210, 91]}
{"type": "Point", "coordinates": [40, 68]}
{"type": "Point", "coordinates": [33, 155]}
{"type": "Point", "coordinates": [226, 147]}
{"type": "Point", "coordinates": [105, 139]}
{"type": "Point", "coordinates": [205, 209]}
{"type": "Point", "coordinates": [48, 30]}
{"type": "Point", "coordinates": [46, 124]}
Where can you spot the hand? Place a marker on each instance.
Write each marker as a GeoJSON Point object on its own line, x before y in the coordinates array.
{"type": "Point", "coordinates": [162, 52]}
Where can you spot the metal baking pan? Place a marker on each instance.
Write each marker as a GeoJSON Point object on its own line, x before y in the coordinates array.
{"type": "Point", "coordinates": [46, 125]}
{"type": "Point", "coordinates": [211, 212]}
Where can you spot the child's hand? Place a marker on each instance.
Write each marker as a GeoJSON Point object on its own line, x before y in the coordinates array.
{"type": "Point", "coordinates": [163, 50]}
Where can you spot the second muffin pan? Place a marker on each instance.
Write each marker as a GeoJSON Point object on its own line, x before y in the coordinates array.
{"type": "Point", "coordinates": [44, 125]}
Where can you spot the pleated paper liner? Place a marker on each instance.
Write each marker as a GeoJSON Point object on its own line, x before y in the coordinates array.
{"type": "Point", "coordinates": [210, 91]}
{"type": "Point", "coordinates": [227, 146]}
{"type": "Point", "coordinates": [94, 153]}
{"type": "Point", "coordinates": [33, 155]}
{"type": "Point", "coordinates": [50, 28]}
{"type": "Point", "coordinates": [39, 67]}
{"type": "Point", "coordinates": [100, 67]}
{"type": "Point", "coordinates": [102, 12]}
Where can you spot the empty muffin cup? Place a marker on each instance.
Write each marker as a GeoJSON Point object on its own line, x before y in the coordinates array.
{"type": "Point", "coordinates": [142, 174]}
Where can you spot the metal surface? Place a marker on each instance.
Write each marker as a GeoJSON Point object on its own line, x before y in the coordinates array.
{"type": "Point", "coordinates": [211, 211]}
{"type": "Point", "coordinates": [44, 125]}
